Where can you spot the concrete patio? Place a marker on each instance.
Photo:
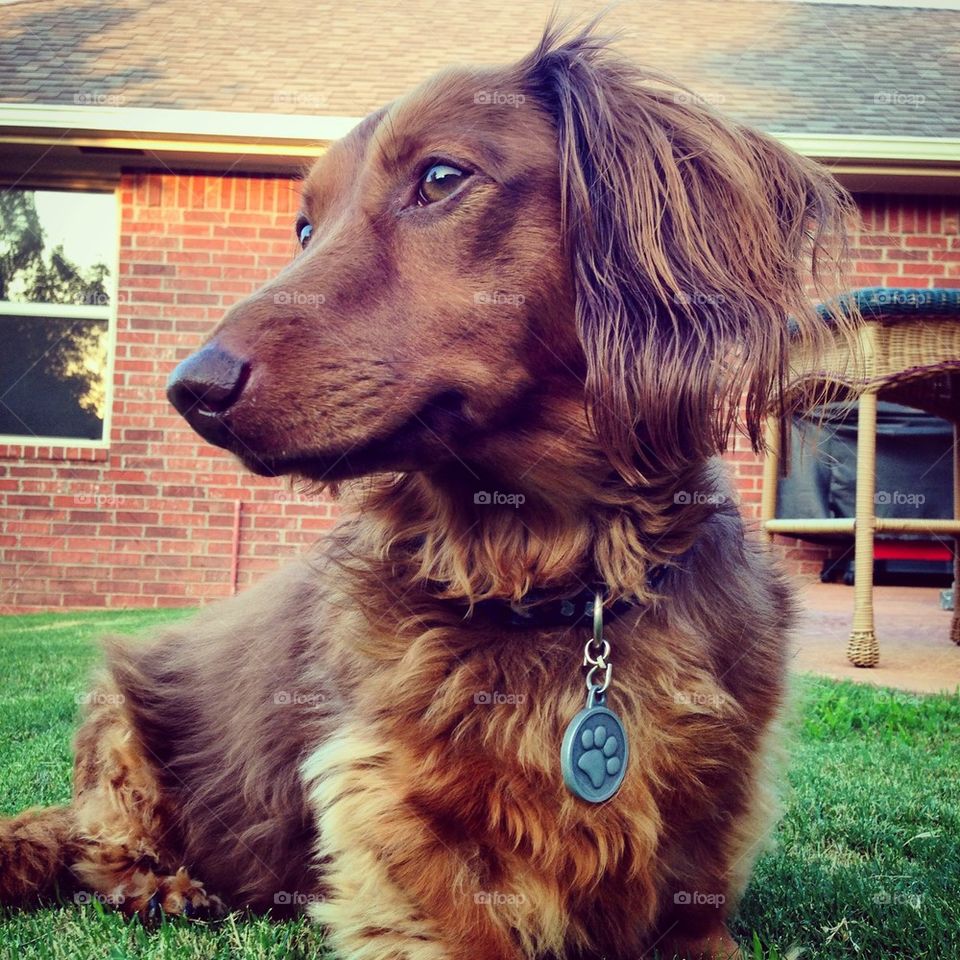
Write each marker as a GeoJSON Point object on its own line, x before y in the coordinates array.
{"type": "Point", "coordinates": [916, 652]}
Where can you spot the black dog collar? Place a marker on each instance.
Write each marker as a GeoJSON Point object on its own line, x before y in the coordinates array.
{"type": "Point", "coordinates": [538, 608]}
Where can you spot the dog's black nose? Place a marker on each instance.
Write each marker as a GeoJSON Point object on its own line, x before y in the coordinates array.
{"type": "Point", "coordinates": [207, 383]}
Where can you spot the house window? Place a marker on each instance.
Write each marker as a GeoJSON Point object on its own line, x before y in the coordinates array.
{"type": "Point", "coordinates": [58, 253]}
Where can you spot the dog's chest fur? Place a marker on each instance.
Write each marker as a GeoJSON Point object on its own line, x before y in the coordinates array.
{"type": "Point", "coordinates": [445, 775]}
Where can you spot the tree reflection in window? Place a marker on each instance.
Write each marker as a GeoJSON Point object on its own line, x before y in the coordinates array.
{"type": "Point", "coordinates": [53, 362]}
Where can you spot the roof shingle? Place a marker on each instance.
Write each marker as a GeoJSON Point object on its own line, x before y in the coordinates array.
{"type": "Point", "coordinates": [786, 67]}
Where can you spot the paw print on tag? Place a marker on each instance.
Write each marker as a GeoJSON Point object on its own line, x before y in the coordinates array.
{"type": "Point", "coordinates": [600, 757]}
{"type": "Point", "coordinates": [594, 754]}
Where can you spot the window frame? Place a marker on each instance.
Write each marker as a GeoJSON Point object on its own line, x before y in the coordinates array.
{"type": "Point", "coordinates": [70, 311]}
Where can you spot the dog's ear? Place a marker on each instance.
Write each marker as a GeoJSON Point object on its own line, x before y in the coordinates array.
{"type": "Point", "coordinates": [695, 245]}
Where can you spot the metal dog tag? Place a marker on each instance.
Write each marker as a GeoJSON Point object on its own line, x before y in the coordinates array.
{"type": "Point", "coordinates": [594, 752]}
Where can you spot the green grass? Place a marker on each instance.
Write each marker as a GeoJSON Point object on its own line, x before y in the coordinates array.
{"type": "Point", "coordinates": [867, 863]}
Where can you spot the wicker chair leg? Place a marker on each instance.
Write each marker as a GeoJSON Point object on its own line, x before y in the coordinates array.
{"type": "Point", "coordinates": [771, 475]}
{"type": "Point", "coordinates": [863, 649]}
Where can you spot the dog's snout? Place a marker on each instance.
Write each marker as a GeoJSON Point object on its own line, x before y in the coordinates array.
{"type": "Point", "coordinates": [207, 383]}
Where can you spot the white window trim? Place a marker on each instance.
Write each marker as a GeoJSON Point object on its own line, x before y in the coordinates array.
{"type": "Point", "coordinates": [79, 312]}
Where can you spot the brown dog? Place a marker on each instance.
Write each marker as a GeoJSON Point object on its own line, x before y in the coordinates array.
{"type": "Point", "coordinates": [529, 303]}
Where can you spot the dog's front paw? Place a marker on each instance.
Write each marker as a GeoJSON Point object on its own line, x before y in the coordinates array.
{"type": "Point", "coordinates": [179, 896]}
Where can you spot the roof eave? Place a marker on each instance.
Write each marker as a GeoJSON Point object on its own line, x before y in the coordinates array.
{"type": "Point", "coordinates": [278, 142]}
{"type": "Point", "coordinates": [839, 147]}
{"type": "Point", "coordinates": [199, 126]}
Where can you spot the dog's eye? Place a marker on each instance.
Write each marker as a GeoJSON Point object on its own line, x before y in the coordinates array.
{"type": "Point", "coordinates": [440, 181]}
{"type": "Point", "coordinates": [304, 232]}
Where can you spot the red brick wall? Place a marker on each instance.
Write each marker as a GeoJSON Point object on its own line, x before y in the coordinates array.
{"type": "Point", "coordinates": [150, 522]}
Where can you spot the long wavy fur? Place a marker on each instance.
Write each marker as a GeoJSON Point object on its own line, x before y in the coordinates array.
{"type": "Point", "coordinates": [693, 241]}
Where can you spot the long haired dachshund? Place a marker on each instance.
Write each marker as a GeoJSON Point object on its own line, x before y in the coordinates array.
{"type": "Point", "coordinates": [531, 305]}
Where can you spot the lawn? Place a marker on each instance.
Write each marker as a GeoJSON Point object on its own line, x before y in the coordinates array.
{"type": "Point", "coordinates": [867, 862]}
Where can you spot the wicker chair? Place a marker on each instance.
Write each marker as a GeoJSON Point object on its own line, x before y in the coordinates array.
{"type": "Point", "coordinates": [908, 352]}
